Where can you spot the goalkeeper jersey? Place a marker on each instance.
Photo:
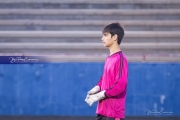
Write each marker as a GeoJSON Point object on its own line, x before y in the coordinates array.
{"type": "Point", "coordinates": [114, 81]}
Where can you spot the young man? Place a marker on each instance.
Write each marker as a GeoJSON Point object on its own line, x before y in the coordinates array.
{"type": "Point", "coordinates": [111, 88]}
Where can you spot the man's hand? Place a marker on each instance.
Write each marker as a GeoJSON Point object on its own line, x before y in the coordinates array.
{"type": "Point", "coordinates": [94, 90]}
{"type": "Point", "coordinates": [95, 97]}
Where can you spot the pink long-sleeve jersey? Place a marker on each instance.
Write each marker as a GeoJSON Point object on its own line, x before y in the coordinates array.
{"type": "Point", "coordinates": [114, 81]}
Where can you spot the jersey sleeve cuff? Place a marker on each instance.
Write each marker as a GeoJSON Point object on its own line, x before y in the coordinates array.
{"type": "Point", "coordinates": [105, 94]}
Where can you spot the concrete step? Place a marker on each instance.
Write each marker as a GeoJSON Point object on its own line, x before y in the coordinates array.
{"type": "Point", "coordinates": [94, 52]}
{"type": "Point", "coordinates": [90, 14]}
{"type": "Point", "coordinates": [87, 6]}
{"type": "Point", "coordinates": [83, 4]}
{"type": "Point", "coordinates": [93, 25]}
{"type": "Point", "coordinates": [86, 36]}
{"type": "Point", "coordinates": [84, 40]}
{"type": "Point", "coordinates": [95, 1]}
{"type": "Point", "coordinates": [142, 34]}
{"type": "Point", "coordinates": [89, 48]}
{"type": "Point", "coordinates": [127, 46]}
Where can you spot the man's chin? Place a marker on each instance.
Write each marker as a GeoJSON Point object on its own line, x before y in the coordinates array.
{"type": "Point", "coordinates": [105, 46]}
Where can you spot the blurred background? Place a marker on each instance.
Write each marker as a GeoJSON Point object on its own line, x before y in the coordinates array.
{"type": "Point", "coordinates": [69, 34]}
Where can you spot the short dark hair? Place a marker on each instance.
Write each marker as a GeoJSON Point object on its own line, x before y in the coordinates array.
{"type": "Point", "coordinates": [114, 28]}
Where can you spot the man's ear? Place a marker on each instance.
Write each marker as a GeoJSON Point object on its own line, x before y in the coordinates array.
{"type": "Point", "coordinates": [115, 37]}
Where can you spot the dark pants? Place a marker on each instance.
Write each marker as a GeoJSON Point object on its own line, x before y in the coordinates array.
{"type": "Point", "coordinates": [101, 117]}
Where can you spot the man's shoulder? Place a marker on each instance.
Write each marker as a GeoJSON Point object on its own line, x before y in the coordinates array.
{"type": "Point", "coordinates": [119, 57]}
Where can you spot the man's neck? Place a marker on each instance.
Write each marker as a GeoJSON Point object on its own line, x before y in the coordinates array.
{"type": "Point", "coordinates": [114, 49]}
